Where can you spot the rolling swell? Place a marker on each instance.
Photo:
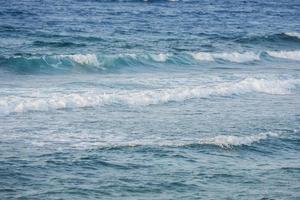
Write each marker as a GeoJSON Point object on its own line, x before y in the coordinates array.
{"type": "Point", "coordinates": [57, 44]}
{"type": "Point", "coordinates": [78, 63]}
{"type": "Point", "coordinates": [278, 38]}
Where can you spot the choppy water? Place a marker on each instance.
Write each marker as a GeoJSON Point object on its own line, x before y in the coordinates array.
{"type": "Point", "coordinates": [149, 100]}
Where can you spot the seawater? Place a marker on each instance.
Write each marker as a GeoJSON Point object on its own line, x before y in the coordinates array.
{"type": "Point", "coordinates": [149, 99]}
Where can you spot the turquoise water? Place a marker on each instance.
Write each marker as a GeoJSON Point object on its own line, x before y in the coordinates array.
{"type": "Point", "coordinates": [149, 99]}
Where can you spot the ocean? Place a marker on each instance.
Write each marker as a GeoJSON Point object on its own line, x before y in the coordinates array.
{"type": "Point", "coordinates": [149, 99]}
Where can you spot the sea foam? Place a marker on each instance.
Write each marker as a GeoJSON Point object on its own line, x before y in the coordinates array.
{"type": "Point", "coordinates": [291, 55]}
{"type": "Point", "coordinates": [18, 104]}
{"type": "Point", "coordinates": [84, 59]}
{"type": "Point", "coordinates": [226, 141]}
{"type": "Point", "coordinates": [160, 57]}
{"type": "Point", "coordinates": [229, 56]}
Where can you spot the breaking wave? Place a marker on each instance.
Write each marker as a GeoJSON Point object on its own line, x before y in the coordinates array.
{"type": "Point", "coordinates": [232, 57]}
{"type": "Point", "coordinates": [87, 59]}
{"type": "Point", "coordinates": [293, 34]}
{"type": "Point", "coordinates": [47, 102]}
{"type": "Point", "coordinates": [291, 55]}
{"type": "Point", "coordinates": [77, 63]}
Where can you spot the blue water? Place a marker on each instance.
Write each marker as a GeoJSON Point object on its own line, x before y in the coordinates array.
{"type": "Point", "coordinates": [149, 99]}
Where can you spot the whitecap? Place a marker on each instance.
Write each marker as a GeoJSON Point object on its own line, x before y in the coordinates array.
{"type": "Point", "coordinates": [160, 57]}
{"type": "Point", "coordinates": [203, 56]}
{"type": "Point", "coordinates": [238, 57]}
{"type": "Point", "coordinates": [229, 56]}
{"type": "Point", "coordinates": [83, 59]}
{"type": "Point", "coordinates": [293, 34]}
{"type": "Point", "coordinates": [291, 55]}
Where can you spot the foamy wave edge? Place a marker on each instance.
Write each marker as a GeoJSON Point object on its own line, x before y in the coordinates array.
{"type": "Point", "coordinates": [99, 63]}
{"type": "Point", "coordinates": [290, 55]}
{"type": "Point", "coordinates": [16, 104]}
{"type": "Point", "coordinates": [293, 34]}
{"type": "Point", "coordinates": [222, 141]}
{"type": "Point", "coordinates": [227, 141]}
{"type": "Point", "coordinates": [83, 59]}
{"type": "Point", "coordinates": [228, 56]}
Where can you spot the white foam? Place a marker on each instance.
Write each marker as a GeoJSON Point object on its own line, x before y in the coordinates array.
{"type": "Point", "coordinates": [293, 34]}
{"type": "Point", "coordinates": [226, 141]}
{"type": "Point", "coordinates": [130, 55]}
{"type": "Point", "coordinates": [275, 87]}
{"type": "Point", "coordinates": [53, 102]}
{"type": "Point", "coordinates": [83, 59]}
{"type": "Point", "coordinates": [238, 57]}
{"type": "Point", "coordinates": [292, 55]}
{"type": "Point", "coordinates": [88, 140]}
{"type": "Point", "coordinates": [16, 104]}
{"type": "Point", "coordinates": [203, 56]}
{"type": "Point", "coordinates": [229, 56]}
{"type": "Point", "coordinates": [160, 57]}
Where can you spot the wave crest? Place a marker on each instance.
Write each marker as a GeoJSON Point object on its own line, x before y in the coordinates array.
{"type": "Point", "coordinates": [83, 141]}
{"type": "Point", "coordinates": [83, 59]}
{"type": "Point", "coordinates": [232, 56]}
{"type": "Point", "coordinates": [291, 55]}
{"type": "Point", "coordinates": [136, 61]}
{"type": "Point", "coordinates": [293, 34]}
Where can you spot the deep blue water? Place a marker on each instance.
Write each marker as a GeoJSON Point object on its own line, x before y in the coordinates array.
{"type": "Point", "coordinates": [149, 99]}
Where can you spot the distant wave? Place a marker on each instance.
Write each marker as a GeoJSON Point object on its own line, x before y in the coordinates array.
{"type": "Point", "coordinates": [277, 38]}
{"type": "Point", "coordinates": [17, 104]}
{"type": "Point", "coordinates": [77, 63]}
{"type": "Point", "coordinates": [57, 44]}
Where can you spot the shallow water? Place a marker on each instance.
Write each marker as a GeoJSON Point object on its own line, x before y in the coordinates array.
{"type": "Point", "coordinates": [149, 100]}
